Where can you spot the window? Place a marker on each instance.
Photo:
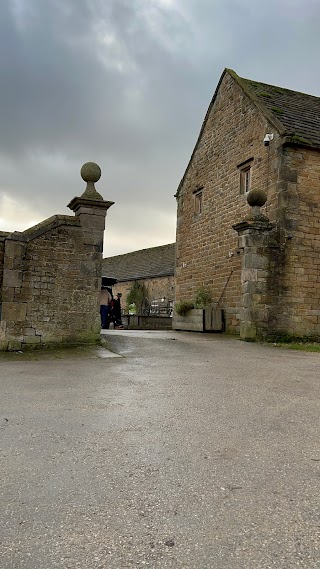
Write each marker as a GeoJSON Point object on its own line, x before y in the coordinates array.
{"type": "Point", "coordinates": [245, 180]}
{"type": "Point", "coordinates": [198, 201]}
{"type": "Point", "coordinates": [245, 176]}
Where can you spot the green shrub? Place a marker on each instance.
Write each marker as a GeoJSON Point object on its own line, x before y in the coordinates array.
{"type": "Point", "coordinates": [183, 307]}
{"type": "Point", "coordinates": [203, 298]}
{"type": "Point", "coordinates": [132, 309]}
{"type": "Point", "coordinates": [136, 295]}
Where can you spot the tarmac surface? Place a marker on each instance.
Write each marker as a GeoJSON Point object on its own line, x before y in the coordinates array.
{"type": "Point", "coordinates": [170, 450]}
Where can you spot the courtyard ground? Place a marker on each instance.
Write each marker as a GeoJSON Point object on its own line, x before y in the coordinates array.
{"type": "Point", "coordinates": [168, 450]}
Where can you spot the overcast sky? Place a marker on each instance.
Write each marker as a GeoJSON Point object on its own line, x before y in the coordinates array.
{"type": "Point", "coordinates": [126, 84]}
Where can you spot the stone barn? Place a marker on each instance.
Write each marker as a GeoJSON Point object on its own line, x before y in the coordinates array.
{"type": "Point", "coordinates": [262, 267]}
{"type": "Point", "coordinates": [153, 267]}
{"type": "Point", "coordinates": [50, 275]}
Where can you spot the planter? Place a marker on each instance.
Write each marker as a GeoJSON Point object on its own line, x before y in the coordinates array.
{"type": "Point", "coordinates": [135, 322]}
{"type": "Point", "coordinates": [199, 320]}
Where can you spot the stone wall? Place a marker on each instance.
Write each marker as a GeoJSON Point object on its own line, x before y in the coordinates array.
{"type": "Point", "coordinates": [207, 246]}
{"type": "Point", "coordinates": [298, 310]}
{"type": "Point", "coordinates": [52, 276]}
{"type": "Point", "coordinates": [3, 236]}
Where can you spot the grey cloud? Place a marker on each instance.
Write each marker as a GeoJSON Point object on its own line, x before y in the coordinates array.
{"type": "Point", "coordinates": [127, 83]}
{"type": "Point", "coordinates": [57, 93]}
{"type": "Point", "coordinates": [61, 97]}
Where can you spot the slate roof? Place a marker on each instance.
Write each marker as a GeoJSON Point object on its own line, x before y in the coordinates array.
{"type": "Point", "coordinates": [146, 263]}
{"type": "Point", "coordinates": [299, 113]}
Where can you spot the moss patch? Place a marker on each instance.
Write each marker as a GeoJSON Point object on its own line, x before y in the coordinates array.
{"type": "Point", "coordinates": [278, 90]}
{"type": "Point", "coordinates": [308, 347]}
{"type": "Point", "coordinates": [302, 343]}
{"type": "Point", "coordinates": [299, 139]}
{"type": "Point", "coordinates": [277, 110]}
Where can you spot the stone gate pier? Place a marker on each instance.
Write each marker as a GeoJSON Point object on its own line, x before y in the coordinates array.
{"type": "Point", "coordinates": [50, 275]}
{"type": "Point", "coordinates": [258, 271]}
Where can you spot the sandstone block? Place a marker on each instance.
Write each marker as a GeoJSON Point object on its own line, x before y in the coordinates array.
{"type": "Point", "coordinates": [14, 312]}
{"type": "Point", "coordinates": [12, 278]}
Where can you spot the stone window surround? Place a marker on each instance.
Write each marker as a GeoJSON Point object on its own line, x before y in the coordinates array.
{"type": "Point", "coordinates": [198, 201]}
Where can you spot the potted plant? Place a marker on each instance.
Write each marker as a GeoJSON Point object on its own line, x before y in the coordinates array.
{"type": "Point", "coordinates": [198, 315]}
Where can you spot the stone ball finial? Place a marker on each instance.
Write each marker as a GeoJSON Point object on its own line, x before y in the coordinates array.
{"type": "Point", "coordinates": [257, 198]}
{"type": "Point", "coordinates": [90, 172]}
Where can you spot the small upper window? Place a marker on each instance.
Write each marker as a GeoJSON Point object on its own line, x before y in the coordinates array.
{"type": "Point", "coordinates": [245, 180]}
{"type": "Point", "coordinates": [245, 170]}
{"type": "Point", "coordinates": [198, 201]}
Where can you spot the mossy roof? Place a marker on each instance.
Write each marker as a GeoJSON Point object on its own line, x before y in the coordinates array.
{"type": "Point", "coordinates": [145, 263]}
{"type": "Point", "coordinates": [299, 113]}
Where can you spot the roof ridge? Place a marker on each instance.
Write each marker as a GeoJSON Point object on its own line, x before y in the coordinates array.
{"type": "Point", "coordinates": [280, 88]}
{"type": "Point", "coordinates": [141, 250]}
{"type": "Point", "coordinates": [145, 263]}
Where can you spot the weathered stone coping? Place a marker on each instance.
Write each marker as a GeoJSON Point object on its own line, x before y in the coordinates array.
{"type": "Point", "coordinates": [4, 235]}
{"type": "Point", "coordinates": [255, 224]}
{"type": "Point", "coordinates": [46, 225]}
{"type": "Point", "coordinates": [90, 203]}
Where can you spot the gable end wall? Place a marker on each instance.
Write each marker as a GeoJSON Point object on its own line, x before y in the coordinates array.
{"type": "Point", "coordinates": [207, 253]}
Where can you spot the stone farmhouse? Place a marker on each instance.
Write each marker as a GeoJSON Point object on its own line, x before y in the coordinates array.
{"type": "Point", "coordinates": [153, 267]}
{"type": "Point", "coordinates": [50, 275]}
{"type": "Point", "coordinates": [262, 267]}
